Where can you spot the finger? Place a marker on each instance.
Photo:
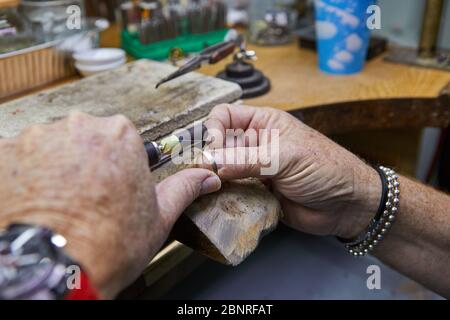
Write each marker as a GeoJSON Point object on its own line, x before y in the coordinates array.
{"type": "Point", "coordinates": [238, 163]}
{"type": "Point", "coordinates": [178, 191]}
{"type": "Point", "coordinates": [226, 116]}
{"type": "Point", "coordinates": [216, 133]}
{"type": "Point", "coordinates": [233, 116]}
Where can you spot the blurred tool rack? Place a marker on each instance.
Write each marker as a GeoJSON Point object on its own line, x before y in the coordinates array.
{"type": "Point", "coordinates": [190, 43]}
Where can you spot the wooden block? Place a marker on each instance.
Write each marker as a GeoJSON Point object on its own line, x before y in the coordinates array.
{"type": "Point", "coordinates": [228, 225]}
{"type": "Point", "coordinates": [129, 90]}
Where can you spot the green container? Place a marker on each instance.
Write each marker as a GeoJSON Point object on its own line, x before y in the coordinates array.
{"type": "Point", "coordinates": [160, 50]}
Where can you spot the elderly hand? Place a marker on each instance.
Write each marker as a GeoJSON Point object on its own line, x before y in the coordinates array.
{"type": "Point", "coordinates": [88, 179]}
{"type": "Point", "coordinates": [323, 188]}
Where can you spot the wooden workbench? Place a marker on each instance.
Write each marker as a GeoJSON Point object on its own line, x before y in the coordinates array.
{"type": "Point", "coordinates": [298, 83]}
{"type": "Point", "coordinates": [384, 95]}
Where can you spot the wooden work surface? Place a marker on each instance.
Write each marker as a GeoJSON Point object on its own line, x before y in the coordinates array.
{"type": "Point", "coordinates": [297, 82]}
{"type": "Point", "coordinates": [129, 90]}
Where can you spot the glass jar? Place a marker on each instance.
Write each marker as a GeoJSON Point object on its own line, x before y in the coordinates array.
{"type": "Point", "coordinates": [49, 18]}
{"type": "Point", "coordinates": [271, 21]}
{"type": "Point", "coordinates": [15, 32]}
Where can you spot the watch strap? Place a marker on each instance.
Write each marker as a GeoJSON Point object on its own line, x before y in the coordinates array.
{"type": "Point", "coordinates": [85, 292]}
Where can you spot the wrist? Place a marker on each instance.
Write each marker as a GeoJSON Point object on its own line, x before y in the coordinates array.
{"type": "Point", "coordinates": [79, 246]}
{"type": "Point", "coordinates": [36, 266]}
{"type": "Point", "coordinates": [364, 204]}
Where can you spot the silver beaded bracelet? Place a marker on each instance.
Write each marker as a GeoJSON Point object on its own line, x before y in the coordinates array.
{"type": "Point", "coordinates": [384, 218]}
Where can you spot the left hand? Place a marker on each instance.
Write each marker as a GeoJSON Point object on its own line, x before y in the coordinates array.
{"type": "Point", "coordinates": [323, 188]}
{"type": "Point", "coordinates": [88, 179]}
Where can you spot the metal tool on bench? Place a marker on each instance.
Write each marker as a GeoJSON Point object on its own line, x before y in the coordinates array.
{"type": "Point", "coordinates": [253, 82]}
{"type": "Point", "coordinates": [161, 152]}
{"type": "Point", "coordinates": [210, 55]}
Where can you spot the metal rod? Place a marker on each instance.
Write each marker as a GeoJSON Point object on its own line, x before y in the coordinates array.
{"type": "Point", "coordinates": [430, 28]}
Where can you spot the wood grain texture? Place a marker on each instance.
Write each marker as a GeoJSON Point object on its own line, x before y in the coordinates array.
{"type": "Point", "coordinates": [377, 114]}
{"type": "Point", "coordinates": [129, 90]}
{"type": "Point", "coordinates": [230, 223]}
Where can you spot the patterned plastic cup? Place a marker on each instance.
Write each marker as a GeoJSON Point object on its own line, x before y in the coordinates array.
{"type": "Point", "coordinates": [342, 34]}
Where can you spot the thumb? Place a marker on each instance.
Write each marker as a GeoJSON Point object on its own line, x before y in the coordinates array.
{"type": "Point", "coordinates": [177, 192]}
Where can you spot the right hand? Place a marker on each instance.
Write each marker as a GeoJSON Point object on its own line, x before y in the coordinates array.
{"type": "Point", "coordinates": [88, 179]}
{"type": "Point", "coordinates": [323, 188]}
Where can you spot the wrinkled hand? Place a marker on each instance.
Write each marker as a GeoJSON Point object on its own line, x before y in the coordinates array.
{"type": "Point", "coordinates": [323, 188]}
{"type": "Point", "coordinates": [88, 179]}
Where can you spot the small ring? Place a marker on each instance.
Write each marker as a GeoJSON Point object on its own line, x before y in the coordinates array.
{"type": "Point", "coordinates": [211, 159]}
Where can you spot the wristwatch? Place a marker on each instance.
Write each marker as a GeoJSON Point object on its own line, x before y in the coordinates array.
{"type": "Point", "coordinates": [33, 266]}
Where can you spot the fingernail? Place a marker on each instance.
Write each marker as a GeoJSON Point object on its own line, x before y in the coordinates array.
{"type": "Point", "coordinates": [211, 184]}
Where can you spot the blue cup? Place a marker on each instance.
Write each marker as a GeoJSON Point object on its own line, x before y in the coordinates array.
{"type": "Point", "coordinates": [342, 34]}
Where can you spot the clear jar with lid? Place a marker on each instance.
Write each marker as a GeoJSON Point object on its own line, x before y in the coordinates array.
{"type": "Point", "coordinates": [15, 33]}
{"type": "Point", "coordinates": [272, 21]}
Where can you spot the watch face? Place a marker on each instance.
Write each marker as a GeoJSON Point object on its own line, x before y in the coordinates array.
{"type": "Point", "coordinates": [27, 262]}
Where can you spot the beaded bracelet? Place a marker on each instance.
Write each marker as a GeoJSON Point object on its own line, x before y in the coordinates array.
{"type": "Point", "coordinates": [384, 218]}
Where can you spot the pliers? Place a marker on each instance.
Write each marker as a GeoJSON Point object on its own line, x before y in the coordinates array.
{"type": "Point", "coordinates": [210, 55]}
